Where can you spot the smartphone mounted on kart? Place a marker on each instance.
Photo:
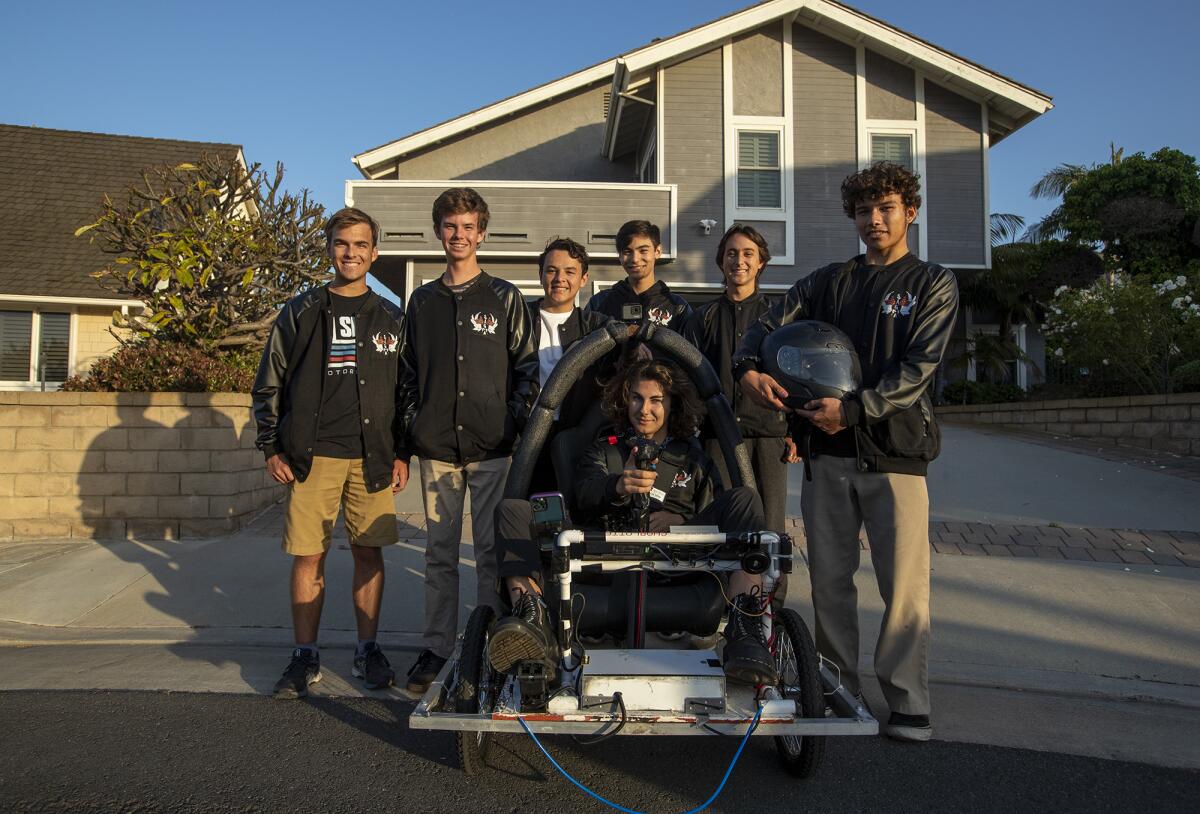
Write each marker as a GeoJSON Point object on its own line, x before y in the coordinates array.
{"type": "Point", "coordinates": [550, 515]}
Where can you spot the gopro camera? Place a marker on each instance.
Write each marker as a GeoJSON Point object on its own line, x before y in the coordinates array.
{"type": "Point", "coordinates": [631, 312]}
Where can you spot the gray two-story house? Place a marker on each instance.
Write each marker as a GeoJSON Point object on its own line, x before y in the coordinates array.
{"type": "Point", "coordinates": [755, 117]}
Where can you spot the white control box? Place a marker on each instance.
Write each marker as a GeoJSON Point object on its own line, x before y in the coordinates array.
{"type": "Point", "coordinates": [660, 680]}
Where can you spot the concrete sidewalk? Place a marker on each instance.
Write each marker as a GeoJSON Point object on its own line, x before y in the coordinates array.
{"type": "Point", "coordinates": [1071, 656]}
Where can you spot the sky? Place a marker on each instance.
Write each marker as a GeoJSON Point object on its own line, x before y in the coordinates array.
{"type": "Point", "coordinates": [312, 84]}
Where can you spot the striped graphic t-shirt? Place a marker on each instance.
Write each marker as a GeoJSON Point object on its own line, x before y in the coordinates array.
{"type": "Point", "coordinates": [340, 432]}
{"type": "Point", "coordinates": [342, 356]}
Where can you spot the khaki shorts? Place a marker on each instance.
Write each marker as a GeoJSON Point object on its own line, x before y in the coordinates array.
{"type": "Point", "coordinates": [313, 505]}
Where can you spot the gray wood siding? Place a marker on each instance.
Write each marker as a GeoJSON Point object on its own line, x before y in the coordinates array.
{"type": "Point", "coordinates": [694, 156]}
{"type": "Point", "coordinates": [891, 89]}
{"type": "Point", "coordinates": [559, 141]}
{"type": "Point", "coordinates": [825, 146]}
{"type": "Point", "coordinates": [953, 180]}
{"type": "Point", "coordinates": [540, 213]}
{"type": "Point", "coordinates": [758, 72]}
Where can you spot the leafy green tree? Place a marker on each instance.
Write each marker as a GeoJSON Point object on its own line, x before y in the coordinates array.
{"type": "Point", "coordinates": [1053, 186]}
{"type": "Point", "coordinates": [1142, 211]}
{"type": "Point", "coordinates": [1014, 291]}
{"type": "Point", "coordinates": [212, 248]}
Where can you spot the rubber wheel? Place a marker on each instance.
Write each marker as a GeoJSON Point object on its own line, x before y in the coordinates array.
{"type": "Point", "coordinates": [477, 685]}
{"type": "Point", "coordinates": [799, 680]}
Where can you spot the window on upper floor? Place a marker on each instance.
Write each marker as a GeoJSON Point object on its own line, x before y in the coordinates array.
{"type": "Point", "coordinates": [759, 170]}
{"type": "Point", "coordinates": [35, 346]}
{"type": "Point", "coordinates": [894, 148]}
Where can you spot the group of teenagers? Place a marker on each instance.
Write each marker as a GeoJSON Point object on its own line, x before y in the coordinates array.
{"type": "Point", "coordinates": [352, 387]}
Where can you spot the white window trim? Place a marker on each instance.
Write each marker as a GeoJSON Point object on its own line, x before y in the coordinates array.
{"type": "Point", "coordinates": [784, 126]}
{"type": "Point", "coordinates": [35, 337]}
{"type": "Point", "coordinates": [776, 213]}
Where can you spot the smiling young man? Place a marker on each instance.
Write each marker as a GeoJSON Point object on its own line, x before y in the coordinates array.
{"type": "Point", "coordinates": [649, 400]}
{"type": "Point", "coordinates": [470, 378]}
{"type": "Point", "coordinates": [869, 453]}
{"type": "Point", "coordinates": [325, 403]}
{"type": "Point", "coordinates": [715, 328]}
{"type": "Point", "coordinates": [559, 323]}
{"type": "Point", "coordinates": [639, 245]}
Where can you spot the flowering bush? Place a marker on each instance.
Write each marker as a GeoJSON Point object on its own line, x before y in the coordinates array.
{"type": "Point", "coordinates": [1124, 328]}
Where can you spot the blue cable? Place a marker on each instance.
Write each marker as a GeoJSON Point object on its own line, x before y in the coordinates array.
{"type": "Point", "coordinates": [704, 805]}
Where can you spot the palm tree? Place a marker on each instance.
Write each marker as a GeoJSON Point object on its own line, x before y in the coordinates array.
{"type": "Point", "coordinates": [1053, 186]}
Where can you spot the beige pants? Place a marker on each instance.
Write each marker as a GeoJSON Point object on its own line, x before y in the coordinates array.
{"type": "Point", "coordinates": [895, 510]}
{"type": "Point", "coordinates": [444, 487]}
{"type": "Point", "coordinates": [313, 505]}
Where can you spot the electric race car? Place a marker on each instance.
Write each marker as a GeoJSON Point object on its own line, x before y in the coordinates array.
{"type": "Point", "coordinates": [622, 587]}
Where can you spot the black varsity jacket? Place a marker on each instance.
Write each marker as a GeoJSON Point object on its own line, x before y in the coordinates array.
{"type": "Point", "coordinates": [659, 305]}
{"type": "Point", "coordinates": [914, 305]}
{"type": "Point", "coordinates": [715, 328]}
{"type": "Point", "coordinates": [687, 478]}
{"type": "Point", "coordinates": [291, 376]}
{"type": "Point", "coordinates": [470, 371]}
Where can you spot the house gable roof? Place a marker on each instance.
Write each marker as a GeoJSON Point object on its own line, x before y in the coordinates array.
{"type": "Point", "coordinates": [1017, 103]}
{"type": "Point", "coordinates": [54, 181]}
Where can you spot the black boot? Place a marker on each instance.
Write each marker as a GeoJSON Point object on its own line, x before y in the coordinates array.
{"type": "Point", "coordinates": [746, 658]}
{"type": "Point", "coordinates": [524, 635]}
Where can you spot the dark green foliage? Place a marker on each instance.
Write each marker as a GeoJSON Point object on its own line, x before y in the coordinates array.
{"type": "Point", "coordinates": [1142, 209]}
{"type": "Point", "coordinates": [964, 392]}
{"type": "Point", "coordinates": [156, 365]}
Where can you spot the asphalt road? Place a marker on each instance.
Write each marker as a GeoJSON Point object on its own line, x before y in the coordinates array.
{"type": "Point", "coordinates": [160, 752]}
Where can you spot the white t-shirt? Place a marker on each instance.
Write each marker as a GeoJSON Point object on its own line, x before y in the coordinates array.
{"type": "Point", "coordinates": [550, 348]}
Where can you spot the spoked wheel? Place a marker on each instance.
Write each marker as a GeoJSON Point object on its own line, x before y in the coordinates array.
{"type": "Point", "coordinates": [800, 681]}
{"type": "Point", "coordinates": [478, 686]}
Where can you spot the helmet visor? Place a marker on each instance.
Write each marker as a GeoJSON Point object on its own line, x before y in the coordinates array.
{"type": "Point", "coordinates": [831, 367]}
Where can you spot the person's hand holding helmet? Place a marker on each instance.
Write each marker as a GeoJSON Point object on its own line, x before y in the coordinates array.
{"type": "Point", "coordinates": [763, 390]}
{"type": "Point", "coordinates": [827, 414]}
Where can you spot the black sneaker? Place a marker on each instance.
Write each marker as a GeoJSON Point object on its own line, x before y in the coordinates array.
{"type": "Point", "coordinates": [301, 671]}
{"type": "Point", "coordinates": [373, 668]}
{"type": "Point", "coordinates": [746, 657]}
{"type": "Point", "coordinates": [524, 635]}
{"type": "Point", "coordinates": [424, 671]}
{"type": "Point", "coordinates": [903, 727]}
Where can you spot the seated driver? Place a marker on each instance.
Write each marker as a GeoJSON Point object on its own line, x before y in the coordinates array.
{"type": "Point", "coordinates": [651, 399]}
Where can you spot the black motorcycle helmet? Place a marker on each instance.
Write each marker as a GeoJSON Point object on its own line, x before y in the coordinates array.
{"type": "Point", "coordinates": [812, 360]}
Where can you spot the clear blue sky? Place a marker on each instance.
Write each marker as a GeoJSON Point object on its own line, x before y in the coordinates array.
{"type": "Point", "coordinates": [295, 82]}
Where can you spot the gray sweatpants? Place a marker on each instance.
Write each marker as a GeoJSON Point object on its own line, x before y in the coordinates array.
{"type": "Point", "coordinates": [444, 486]}
{"type": "Point", "coordinates": [895, 510]}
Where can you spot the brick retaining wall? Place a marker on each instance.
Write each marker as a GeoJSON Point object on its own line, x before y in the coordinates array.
{"type": "Point", "coordinates": [115, 465]}
{"type": "Point", "coordinates": [1163, 423]}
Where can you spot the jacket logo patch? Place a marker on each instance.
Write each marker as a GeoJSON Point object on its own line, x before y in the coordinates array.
{"type": "Point", "coordinates": [898, 303]}
{"type": "Point", "coordinates": [659, 316]}
{"type": "Point", "coordinates": [483, 323]}
{"type": "Point", "coordinates": [385, 343]}
{"type": "Point", "coordinates": [682, 480]}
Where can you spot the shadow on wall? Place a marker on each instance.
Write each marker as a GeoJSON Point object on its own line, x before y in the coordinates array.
{"type": "Point", "coordinates": [165, 471]}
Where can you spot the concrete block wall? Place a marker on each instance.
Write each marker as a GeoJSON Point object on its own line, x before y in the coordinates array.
{"type": "Point", "coordinates": [1162, 423]}
{"type": "Point", "coordinates": [116, 465]}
